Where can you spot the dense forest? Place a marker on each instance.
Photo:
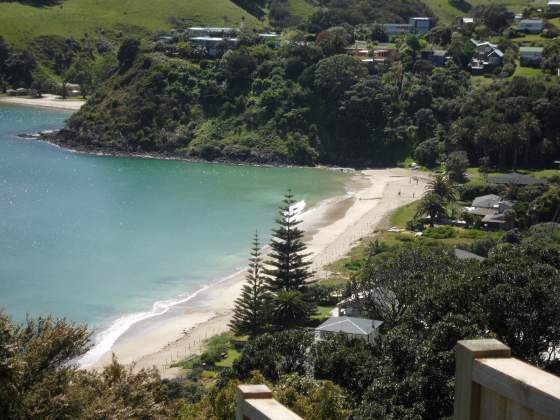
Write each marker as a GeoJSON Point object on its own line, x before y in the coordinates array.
{"type": "Point", "coordinates": [308, 103]}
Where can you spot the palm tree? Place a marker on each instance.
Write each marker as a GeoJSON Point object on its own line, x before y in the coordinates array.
{"type": "Point", "coordinates": [433, 205]}
{"type": "Point", "coordinates": [444, 187]}
{"type": "Point", "coordinates": [290, 309]}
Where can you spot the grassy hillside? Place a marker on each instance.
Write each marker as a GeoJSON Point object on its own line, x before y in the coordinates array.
{"type": "Point", "coordinates": [302, 8]}
{"type": "Point", "coordinates": [20, 23]}
{"type": "Point", "coordinates": [447, 13]}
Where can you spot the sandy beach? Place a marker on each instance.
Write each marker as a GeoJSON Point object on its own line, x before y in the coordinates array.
{"type": "Point", "coordinates": [47, 101]}
{"type": "Point", "coordinates": [332, 229]}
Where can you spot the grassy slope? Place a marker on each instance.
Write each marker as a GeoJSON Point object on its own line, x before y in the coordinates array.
{"type": "Point", "coordinates": [301, 8]}
{"type": "Point", "coordinates": [19, 23]}
{"type": "Point", "coordinates": [447, 13]}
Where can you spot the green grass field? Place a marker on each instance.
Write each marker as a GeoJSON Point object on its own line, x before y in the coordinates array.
{"type": "Point", "coordinates": [447, 13]}
{"type": "Point", "coordinates": [20, 24]}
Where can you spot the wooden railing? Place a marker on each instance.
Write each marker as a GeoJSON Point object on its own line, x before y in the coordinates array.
{"type": "Point", "coordinates": [255, 402]}
{"type": "Point", "coordinates": [492, 385]}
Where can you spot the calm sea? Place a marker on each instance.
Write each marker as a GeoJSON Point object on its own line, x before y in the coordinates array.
{"type": "Point", "coordinates": [94, 238]}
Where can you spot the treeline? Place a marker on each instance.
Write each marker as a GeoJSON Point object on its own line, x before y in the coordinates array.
{"type": "Point", "coordinates": [304, 103]}
{"type": "Point", "coordinates": [307, 103]}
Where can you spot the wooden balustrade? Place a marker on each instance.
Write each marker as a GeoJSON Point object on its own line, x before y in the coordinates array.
{"type": "Point", "coordinates": [492, 385]}
{"type": "Point", "coordinates": [255, 402]}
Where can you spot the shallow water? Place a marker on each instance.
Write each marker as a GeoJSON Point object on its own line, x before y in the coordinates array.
{"type": "Point", "coordinates": [95, 238]}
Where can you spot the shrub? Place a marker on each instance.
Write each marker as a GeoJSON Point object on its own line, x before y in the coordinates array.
{"type": "Point", "coordinates": [440, 232]}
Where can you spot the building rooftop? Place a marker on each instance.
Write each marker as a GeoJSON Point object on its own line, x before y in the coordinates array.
{"type": "Point", "coordinates": [466, 255]}
{"type": "Point", "coordinates": [487, 201]}
{"type": "Point", "coordinates": [514, 178]}
{"type": "Point", "coordinates": [531, 49]}
{"type": "Point", "coordinates": [349, 325]}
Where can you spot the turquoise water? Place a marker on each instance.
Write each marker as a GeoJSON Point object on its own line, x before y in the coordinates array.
{"type": "Point", "coordinates": [95, 238]}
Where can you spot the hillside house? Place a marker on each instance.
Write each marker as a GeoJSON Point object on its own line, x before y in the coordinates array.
{"type": "Point", "coordinates": [361, 328]}
{"type": "Point", "coordinates": [531, 26]}
{"type": "Point", "coordinates": [530, 56]}
{"type": "Point", "coordinates": [396, 29]}
{"type": "Point", "coordinates": [359, 49]}
{"type": "Point", "coordinates": [420, 25]}
{"type": "Point", "coordinates": [491, 208]}
{"type": "Point", "coordinates": [383, 55]}
{"type": "Point", "coordinates": [415, 25]}
{"type": "Point", "coordinates": [487, 56]}
{"type": "Point", "coordinates": [213, 46]}
{"type": "Point", "coordinates": [438, 58]}
{"type": "Point", "coordinates": [465, 21]}
{"type": "Point", "coordinates": [201, 31]}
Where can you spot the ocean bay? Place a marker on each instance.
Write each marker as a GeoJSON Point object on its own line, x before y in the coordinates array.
{"type": "Point", "coordinates": [96, 238]}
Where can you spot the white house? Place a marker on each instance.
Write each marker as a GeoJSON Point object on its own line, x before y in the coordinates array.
{"type": "Point", "coordinates": [362, 328]}
{"type": "Point", "coordinates": [486, 56]}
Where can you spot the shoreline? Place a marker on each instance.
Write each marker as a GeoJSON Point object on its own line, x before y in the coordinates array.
{"type": "Point", "coordinates": [46, 101]}
{"type": "Point", "coordinates": [331, 229]}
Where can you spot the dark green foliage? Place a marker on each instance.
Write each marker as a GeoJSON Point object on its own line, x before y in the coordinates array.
{"type": "Point", "coordinates": [274, 354]}
{"type": "Point", "coordinates": [127, 53]}
{"type": "Point", "coordinates": [546, 208]}
{"type": "Point", "coordinates": [432, 205]}
{"type": "Point", "coordinates": [496, 17]}
{"type": "Point", "coordinates": [249, 313]}
{"type": "Point", "coordinates": [427, 153]}
{"type": "Point", "coordinates": [440, 232]}
{"type": "Point", "coordinates": [38, 378]}
{"type": "Point", "coordinates": [456, 165]}
{"type": "Point", "coordinates": [346, 362]}
{"type": "Point", "coordinates": [289, 309]}
{"type": "Point", "coordinates": [354, 12]}
{"type": "Point", "coordinates": [521, 302]}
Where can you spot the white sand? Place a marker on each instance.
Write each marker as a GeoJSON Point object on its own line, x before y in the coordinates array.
{"type": "Point", "coordinates": [162, 340]}
{"type": "Point", "coordinates": [47, 101]}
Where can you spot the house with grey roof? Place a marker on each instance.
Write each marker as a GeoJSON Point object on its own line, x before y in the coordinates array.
{"type": "Point", "coordinates": [491, 209]}
{"type": "Point", "coordinates": [489, 201]}
{"type": "Point", "coordinates": [515, 179]}
{"type": "Point", "coordinates": [531, 26]}
{"type": "Point", "coordinates": [361, 328]}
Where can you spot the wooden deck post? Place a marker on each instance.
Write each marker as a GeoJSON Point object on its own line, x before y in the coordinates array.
{"type": "Point", "coordinates": [467, 392]}
{"type": "Point", "coordinates": [245, 392]}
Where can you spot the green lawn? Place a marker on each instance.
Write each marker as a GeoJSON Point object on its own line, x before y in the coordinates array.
{"type": "Point", "coordinates": [323, 312]}
{"type": "Point", "coordinates": [403, 214]}
{"type": "Point", "coordinates": [20, 23]}
{"type": "Point", "coordinates": [447, 13]}
{"type": "Point", "coordinates": [527, 71]}
{"type": "Point", "coordinates": [232, 356]}
{"type": "Point", "coordinates": [476, 177]}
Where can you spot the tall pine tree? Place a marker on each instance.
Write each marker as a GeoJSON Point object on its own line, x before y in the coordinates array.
{"type": "Point", "coordinates": [249, 314]}
{"type": "Point", "coordinates": [288, 270]}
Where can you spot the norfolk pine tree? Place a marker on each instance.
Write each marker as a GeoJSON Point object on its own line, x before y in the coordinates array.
{"type": "Point", "coordinates": [288, 269]}
{"type": "Point", "coordinates": [249, 314]}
